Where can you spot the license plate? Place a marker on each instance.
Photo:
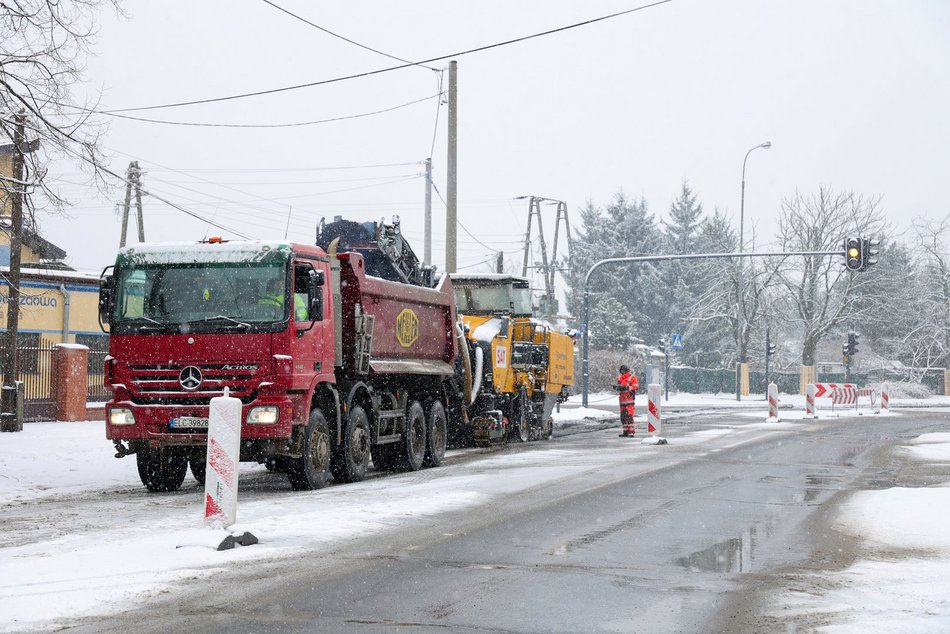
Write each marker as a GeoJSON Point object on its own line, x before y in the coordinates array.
{"type": "Point", "coordinates": [189, 422]}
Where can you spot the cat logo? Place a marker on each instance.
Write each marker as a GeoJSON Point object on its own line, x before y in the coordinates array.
{"type": "Point", "coordinates": [407, 328]}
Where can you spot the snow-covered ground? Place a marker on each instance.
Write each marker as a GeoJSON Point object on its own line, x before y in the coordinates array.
{"type": "Point", "coordinates": [134, 545]}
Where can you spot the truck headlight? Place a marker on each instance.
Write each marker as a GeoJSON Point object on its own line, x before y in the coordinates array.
{"type": "Point", "coordinates": [265, 415]}
{"type": "Point", "coordinates": [121, 416]}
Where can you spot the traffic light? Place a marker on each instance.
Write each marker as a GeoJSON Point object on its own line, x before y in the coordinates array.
{"type": "Point", "coordinates": [868, 251]}
{"type": "Point", "coordinates": [854, 253]}
{"type": "Point", "coordinates": [853, 343]}
{"type": "Point", "coordinates": [769, 346]}
{"type": "Point", "coordinates": [661, 345]}
{"type": "Point", "coordinates": [846, 354]}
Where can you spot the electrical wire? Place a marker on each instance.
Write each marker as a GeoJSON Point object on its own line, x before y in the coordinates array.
{"type": "Point", "coordinates": [345, 39]}
{"type": "Point", "coordinates": [379, 71]}
{"type": "Point", "coordinates": [298, 124]}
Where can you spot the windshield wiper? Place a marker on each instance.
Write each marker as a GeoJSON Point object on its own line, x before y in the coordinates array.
{"type": "Point", "coordinates": [235, 322]}
{"type": "Point", "coordinates": [159, 325]}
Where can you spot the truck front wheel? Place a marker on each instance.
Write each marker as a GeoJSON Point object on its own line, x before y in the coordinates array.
{"type": "Point", "coordinates": [351, 458]}
{"type": "Point", "coordinates": [436, 435]}
{"type": "Point", "coordinates": [162, 469]}
{"type": "Point", "coordinates": [413, 441]}
{"type": "Point", "coordinates": [312, 469]}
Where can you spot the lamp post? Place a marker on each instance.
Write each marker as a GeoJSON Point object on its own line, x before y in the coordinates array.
{"type": "Point", "coordinates": [740, 358]}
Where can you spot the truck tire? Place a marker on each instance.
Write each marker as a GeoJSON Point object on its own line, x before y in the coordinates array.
{"type": "Point", "coordinates": [312, 469]}
{"type": "Point", "coordinates": [162, 469]}
{"type": "Point", "coordinates": [437, 433]}
{"type": "Point", "coordinates": [198, 461]}
{"type": "Point", "coordinates": [412, 446]}
{"type": "Point", "coordinates": [351, 457]}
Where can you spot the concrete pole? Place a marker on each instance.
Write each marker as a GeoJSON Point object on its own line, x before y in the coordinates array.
{"type": "Point", "coordinates": [138, 201]}
{"type": "Point", "coordinates": [125, 207]}
{"type": "Point", "coordinates": [427, 254]}
{"type": "Point", "coordinates": [451, 191]}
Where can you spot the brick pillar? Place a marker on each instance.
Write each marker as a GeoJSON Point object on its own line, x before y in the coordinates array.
{"type": "Point", "coordinates": [69, 382]}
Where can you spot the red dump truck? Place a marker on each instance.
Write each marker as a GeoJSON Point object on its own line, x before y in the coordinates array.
{"type": "Point", "coordinates": [332, 363]}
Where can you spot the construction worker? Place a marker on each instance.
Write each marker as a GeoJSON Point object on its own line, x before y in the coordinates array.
{"type": "Point", "coordinates": [627, 385]}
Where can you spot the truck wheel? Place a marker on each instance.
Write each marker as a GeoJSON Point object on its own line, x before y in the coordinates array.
{"type": "Point", "coordinates": [351, 458]}
{"type": "Point", "coordinates": [412, 446]}
{"type": "Point", "coordinates": [437, 434]}
{"type": "Point", "coordinates": [312, 469]}
{"type": "Point", "coordinates": [197, 460]}
{"type": "Point", "coordinates": [162, 469]}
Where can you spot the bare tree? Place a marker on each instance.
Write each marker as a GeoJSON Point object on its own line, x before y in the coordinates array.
{"type": "Point", "coordinates": [929, 340]}
{"type": "Point", "coordinates": [42, 47]}
{"type": "Point", "coordinates": [822, 293]}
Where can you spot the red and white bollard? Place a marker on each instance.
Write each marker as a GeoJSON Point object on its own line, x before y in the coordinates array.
{"type": "Point", "coordinates": [654, 417]}
{"type": "Point", "coordinates": [810, 410]}
{"type": "Point", "coordinates": [886, 397]}
{"type": "Point", "coordinates": [221, 468]}
{"type": "Point", "coordinates": [773, 403]}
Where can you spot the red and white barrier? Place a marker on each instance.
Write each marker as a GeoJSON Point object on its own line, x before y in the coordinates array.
{"type": "Point", "coordinates": [810, 410]}
{"type": "Point", "coordinates": [654, 394]}
{"type": "Point", "coordinates": [773, 403]}
{"type": "Point", "coordinates": [844, 396]}
{"type": "Point", "coordinates": [886, 397]}
{"type": "Point", "coordinates": [221, 468]}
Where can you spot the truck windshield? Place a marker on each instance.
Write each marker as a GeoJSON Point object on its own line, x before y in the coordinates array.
{"type": "Point", "coordinates": [493, 297]}
{"type": "Point", "coordinates": [218, 295]}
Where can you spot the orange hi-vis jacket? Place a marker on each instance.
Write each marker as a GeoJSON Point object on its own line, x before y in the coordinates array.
{"type": "Point", "coordinates": [628, 385]}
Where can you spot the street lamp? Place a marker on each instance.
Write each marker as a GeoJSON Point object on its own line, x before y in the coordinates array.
{"type": "Point", "coordinates": [766, 146]}
{"type": "Point", "coordinates": [739, 357]}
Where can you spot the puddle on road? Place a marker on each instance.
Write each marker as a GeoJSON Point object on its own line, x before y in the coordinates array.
{"type": "Point", "coordinates": [732, 555]}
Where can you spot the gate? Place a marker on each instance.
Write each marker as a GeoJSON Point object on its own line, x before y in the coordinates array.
{"type": "Point", "coordinates": [36, 365]}
{"type": "Point", "coordinates": [96, 392]}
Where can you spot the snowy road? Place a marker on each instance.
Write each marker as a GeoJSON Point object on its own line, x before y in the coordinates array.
{"type": "Point", "coordinates": [588, 531]}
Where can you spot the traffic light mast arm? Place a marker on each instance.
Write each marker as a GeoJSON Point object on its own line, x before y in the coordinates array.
{"type": "Point", "coordinates": [661, 258]}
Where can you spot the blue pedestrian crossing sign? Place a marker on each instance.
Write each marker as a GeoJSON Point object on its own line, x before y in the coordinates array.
{"type": "Point", "coordinates": [677, 342]}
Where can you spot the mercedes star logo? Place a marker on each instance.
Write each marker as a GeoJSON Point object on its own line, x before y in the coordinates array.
{"type": "Point", "coordinates": [190, 378]}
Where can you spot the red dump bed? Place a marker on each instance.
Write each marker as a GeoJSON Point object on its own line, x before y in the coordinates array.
{"type": "Point", "coordinates": [414, 331]}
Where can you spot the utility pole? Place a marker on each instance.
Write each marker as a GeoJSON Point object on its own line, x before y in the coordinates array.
{"type": "Point", "coordinates": [132, 180]}
{"type": "Point", "coordinates": [451, 193]}
{"type": "Point", "coordinates": [427, 254]}
{"type": "Point", "coordinates": [500, 262]}
{"type": "Point", "coordinates": [11, 418]}
{"type": "Point", "coordinates": [549, 302]}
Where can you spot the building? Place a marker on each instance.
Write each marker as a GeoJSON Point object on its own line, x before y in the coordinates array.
{"type": "Point", "coordinates": [57, 303]}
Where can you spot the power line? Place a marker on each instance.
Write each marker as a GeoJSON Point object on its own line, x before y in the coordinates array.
{"type": "Point", "coordinates": [379, 71]}
{"type": "Point", "coordinates": [267, 125]}
{"type": "Point", "coordinates": [345, 39]}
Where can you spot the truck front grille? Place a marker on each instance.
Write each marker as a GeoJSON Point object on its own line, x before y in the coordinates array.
{"type": "Point", "coordinates": [161, 384]}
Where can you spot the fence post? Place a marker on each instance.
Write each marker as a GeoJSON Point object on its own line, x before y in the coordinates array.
{"type": "Point", "coordinates": [69, 381]}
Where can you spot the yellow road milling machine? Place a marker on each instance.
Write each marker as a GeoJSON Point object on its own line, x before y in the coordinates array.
{"type": "Point", "coordinates": [518, 368]}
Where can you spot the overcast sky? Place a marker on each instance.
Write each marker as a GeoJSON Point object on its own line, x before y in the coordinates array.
{"type": "Point", "coordinates": [854, 95]}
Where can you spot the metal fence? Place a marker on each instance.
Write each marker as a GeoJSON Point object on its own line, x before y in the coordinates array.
{"type": "Point", "coordinates": [97, 392]}
{"type": "Point", "coordinates": [36, 372]}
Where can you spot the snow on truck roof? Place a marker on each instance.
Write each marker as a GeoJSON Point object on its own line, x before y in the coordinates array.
{"type": "Point", "coordinates": [206, 252]}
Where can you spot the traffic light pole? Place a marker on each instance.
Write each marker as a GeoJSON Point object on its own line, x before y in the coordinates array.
{"type": "Point", "coordinates": [585, 327]}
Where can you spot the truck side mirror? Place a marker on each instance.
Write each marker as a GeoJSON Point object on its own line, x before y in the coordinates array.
{"type": "Point", "coordinates": [106, 299]}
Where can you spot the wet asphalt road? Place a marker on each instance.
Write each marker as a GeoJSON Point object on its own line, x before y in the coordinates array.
{"type": "Point", "coordinates": [673, 549]}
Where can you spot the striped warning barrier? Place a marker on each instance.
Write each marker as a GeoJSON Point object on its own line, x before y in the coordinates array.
{"type": "Point", "coordinates": [810, 411]}
{"type": "Point", "coordinates": [844, 396]}
{"type": "Point", "coordinates": [886, 397]}
{"type": "Point", "coordinates": [221, 468]}
{"type": "Point", "coordinates": [654, 392]}
{"type": "Point", "coordinates": [773, 403]}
